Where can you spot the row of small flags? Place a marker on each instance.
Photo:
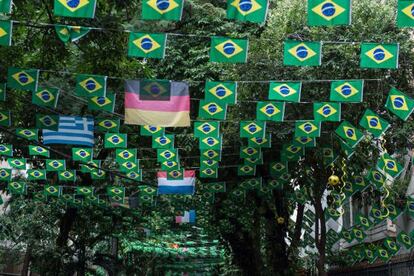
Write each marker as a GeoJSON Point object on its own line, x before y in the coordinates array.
{"type": "Point", "coordinates": [320, 12]}
{"type": "Point", "coordinates": [218, 95]}
{"type": "Point", "coordinates": [231, 50]}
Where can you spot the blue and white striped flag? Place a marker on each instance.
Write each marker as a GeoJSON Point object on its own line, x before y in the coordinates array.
{"type": "Point", "coordinates": [73, 130]}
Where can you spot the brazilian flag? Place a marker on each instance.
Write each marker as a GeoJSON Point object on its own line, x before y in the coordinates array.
{"type": "Point", "coordinates": [90, 85]}
{"type": "Point", "coordinates": [224, 49]}
{"type": "Point", "coordinates": [6, 29]}
{"type": "Point", "coordinates": [17, 163]}
{"type": "Point", "coordinates": [55, 165]}
{"type": "Point", "coordinates": [405, 14]}
{"type": "Point", "coordinates": [349, 133]}
{"type": "Point", "coordinates": [5, 175]}
{"type": "Point", "coordinates": [5, 118]}
{"type": "Point", "coordinates": [170, 165]}
{"type": "Point", "coordinates": [247, 10]}
{"type": "Point", "coordinates": [163, 142]}
{"type": "Point", "coordinates": [215, 187]}
{"type": "Point", "coordinates": [212, 110]}
{"type": "Point", "coordinates": [347, 91]}
{"type": "Point", "coordinates": [128, 166]}
{"type": "Point", "coordinates": [310, 129]}
{"type": "Point", "coordinates": [389, 165]}
{"type": "Point", "coordinates": [53, 190]}
{"type": "Point", "coordinates": [302, 53]}
{"type": "Point", "coordinates": [50, 122]}
{"type": "Point", "coordinates": [70, 33]}
{"type": "Point", "coordinates": [329, 112]}
{"type": "Point", "coordinates": [329, 12]}
{"type": "Point", "coordinates": [260, 142]}
{"type": "Point", "coordinates": [246, 170]}
{"type": "Point", "coordinates": [207, 172]}
{"type": "Point", "coordinates": [102, 103]}
{"type": "Point", "coordinates": [115, 140]}
{"type": "Point", "coordinates": [206, 128]}
{"type": "Point", "coordinates": [404, 239]}
{"type": "Point", "coordinates": [249, 129]}
{"type": "Point", "coordinates": [22, 79]}
{"type": "Point", "coordinates": [75, 8]}
{"type": "Point", "coordinates": [148, 130]}
{"type": "Point", "coordinates": [27, 133]}
{"type": "Point", "coordinates": [38, 151]}
{"type": "Point", "coordinates": [107, 125]}
{"type": "Point", "coordinates": [221, 92]}
{"type": "Point", "coordinates": [135, 175]}
{"type": "Point", "coordinates": [375, 55]}
{"type": "Point", "coordinates": [17, 188]}
{"type": "Point", "coordinates": [5, 6]}
{"type": "Point", "coordinates": [147, 45]}
{"type": "Point", "coordinates": [47, 97]}
{"type": "Point", "coordinates": [374, 123]}
{"type": "Point", "coordinates": [167, 154]}
{"type": "Point", "coordinates": [123, 155]}
{"type": "Point", "coordinates": [285, 91]}
{"type": "Point", "coordinates": [214, 143]}
{"type": "Point", "coordinates": [84, 190]}
{"type": "Point", "coordinates": [270, 111]}
{"type": "Point", "coordinates": [399, 104]}
{"type": "Point", "coordinates": [6, 150]}
{"type": "Point", "coordinates": [82, 154]}
{"type": "Point", "coordinates": [162, 10]}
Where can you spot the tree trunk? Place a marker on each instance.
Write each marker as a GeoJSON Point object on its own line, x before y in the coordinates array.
{"type": "Point", "coordinates": [298, 228]}
{"type": "Point", "coordinates": [321, 236]}
{"type": "Point", "coordinates": [26, 262]}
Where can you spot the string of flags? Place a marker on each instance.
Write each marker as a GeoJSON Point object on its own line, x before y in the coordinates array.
{"type": "Point", "coordinates": [319, 12]}
{"type": "Point", "coordinates": [230, 50]}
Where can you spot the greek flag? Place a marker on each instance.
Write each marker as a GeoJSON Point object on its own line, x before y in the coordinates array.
{"type": "Point", "coordinates": [73, 130]}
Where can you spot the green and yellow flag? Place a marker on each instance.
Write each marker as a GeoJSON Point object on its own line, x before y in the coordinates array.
{"type": "Point", "coordinates": [6, 29]}
{"type": "Point", "coordinates": [374, 55]}
{"type": "Point", "coordinates": [107, 125]}
{"type": "Point", "coordinates": [212, 110]}
{"type": "Point", "coordinates": [389, 165]}
{"type": "Point", "coordinates": [347, 91]}
{"type": "Point", "coordinates": [5, 118]}
{"type": "Point", "coordinates": [5, 175]}
{"type": "Point", "coordinates": [329, 112]}
{"type": "Point", "coordinates": [249, 129]}
{"type": "Point", "coordinates": [6, 150]}
{"type": "Point", "coordinates": [221, 92]}
{"type": "Point", "coordinates": [214, 143]}
{"type": "Point", "coordinates": [302, 53]}
{"type": "Point", "coordinates": [38, 151]}
{"type": "Point", "coordinates": [250, 10]}
{"type": "Point", "coordinates": [50, 122]}
{"type": "Point", "coordinates": [224, 49]}
{"type": "Point", "coordinates": [163, 142]}
{"type": "Point", "coordinates": [82, 154]}
{"type": "Point", "coordinates": [270, 111]}
{"type": "Point", "coordinates": [35, 175]}
{"type": "Point", "coordinates": [22, 79]}
{"type": "Point", "coordinates": [205, 129]}
{"type": "Point", "coordinates": [374, 123]}
{"type": "Point", "coordinates": [307, 129]}
{"type": "Point", "coordinates": [148, 130]}
{"type": "Point", "coordinates": [399, 104]}
{"type": "Point", "coordinates": [285, 91]}
{"type": "Point", "coordinates": [5, 6]}
{"type": "Point", "coordinates": [70, 33]}
{"type": "Point", "coordinates": [30, 134]}
{"type": "Point", "coordinates": [123, 155]}
{"type": "Point", "coordinates": [67, 176]}
{"type": "Point", "coordinates": [115, 140]}
{"type": "Point", "coordinates": [349, 133]}
{"type": "Point", "coordinates": [52, 190]}
{"type": "Point", "coordinates": [405, 14]}
{"type": "Point", "coordinates": [90, 85]}
{"type": "Point", "coordinates": [162, 10]}
{"type": "Point", "coordinates": [17, 188]}
{"type": "Point", "coordinates": [47, 97]}
{"type": "Point", "coordinates": [17, 163]}
{"type": "Point", "coordinates": [75, 8]}
{"type": "Point", "coordinates": [55, 165]}
{"type": "Point", "coordinates": [147, 45]}
{"type": "Point", "coordinates": [106, 103]}
{"type": "Point", "coordinates": [329, 12]}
